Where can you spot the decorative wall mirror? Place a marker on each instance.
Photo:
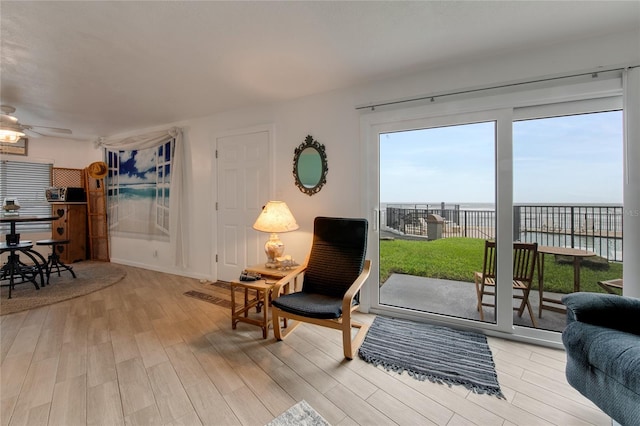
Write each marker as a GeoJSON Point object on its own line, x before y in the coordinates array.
{"type": "Point", "coordinates": [310, 166]}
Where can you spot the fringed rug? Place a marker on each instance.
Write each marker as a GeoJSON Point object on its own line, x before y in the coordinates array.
{"type": "Point", "coordinates": [431, 352]}
{"type": "Point", "coordinates": [301, 414]}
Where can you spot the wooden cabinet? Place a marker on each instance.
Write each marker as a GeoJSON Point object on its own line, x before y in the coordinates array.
{"type": "Point", "coordinates": [71, 225]}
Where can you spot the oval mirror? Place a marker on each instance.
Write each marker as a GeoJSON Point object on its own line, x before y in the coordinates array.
{"type": "Point", "coordinates": [310, 166]}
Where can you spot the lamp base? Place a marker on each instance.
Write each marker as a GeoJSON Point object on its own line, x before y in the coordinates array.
{"type": "Point", "coordinates": [274, 248]}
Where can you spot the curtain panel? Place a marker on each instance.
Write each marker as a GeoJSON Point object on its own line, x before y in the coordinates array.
{"type": "Point", "coordinates": [178, 225]}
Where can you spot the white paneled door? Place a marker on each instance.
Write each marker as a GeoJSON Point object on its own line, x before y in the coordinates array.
{"type": "Point", "coordinates": [244, 186]}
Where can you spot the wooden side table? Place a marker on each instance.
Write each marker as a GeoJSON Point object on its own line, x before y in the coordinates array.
{"type": "Point", "coordinates": [611, 285]}
{"type": "Point", "coordinates": [261, 300]}
{"type": "Point", "coordinates": [265, 272]}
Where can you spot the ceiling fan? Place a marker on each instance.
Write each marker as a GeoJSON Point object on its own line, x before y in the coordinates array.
{"type": "Point", "coordinates": [11, 130]}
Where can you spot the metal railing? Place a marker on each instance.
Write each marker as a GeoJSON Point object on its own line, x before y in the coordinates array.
{"type": "Point", "coordinates": [594, 228]}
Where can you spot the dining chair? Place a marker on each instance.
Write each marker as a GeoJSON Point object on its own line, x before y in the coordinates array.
{"type": "Point", "coordinates": [331, 279]}
{"type": "Point", "coordinates": [525, 256]}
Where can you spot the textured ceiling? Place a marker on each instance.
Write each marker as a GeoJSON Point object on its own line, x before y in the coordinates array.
{"type": "Point", "coordinates": [103, 68]}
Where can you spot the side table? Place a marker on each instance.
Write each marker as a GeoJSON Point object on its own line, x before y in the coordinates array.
{"type": "Point", "coordinates": [611, 285]}
{"type": "Point", "coordinates": [263, 293]}
{"type": "Point", "coordinates": [269, 273]}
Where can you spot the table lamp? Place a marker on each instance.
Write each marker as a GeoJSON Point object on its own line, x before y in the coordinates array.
{"type": "Point", "coordinates": [275, 217]}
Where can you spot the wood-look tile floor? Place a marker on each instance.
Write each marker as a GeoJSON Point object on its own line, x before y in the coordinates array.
{"type": "Point", "coordinates": [142, 353]}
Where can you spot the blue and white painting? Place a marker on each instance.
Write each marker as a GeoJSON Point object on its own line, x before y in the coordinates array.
{"type": "Point", "coordinates": [139, 191]}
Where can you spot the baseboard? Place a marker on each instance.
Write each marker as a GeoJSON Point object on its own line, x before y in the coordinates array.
{"type": "Point", "coordinates": [156, 268]}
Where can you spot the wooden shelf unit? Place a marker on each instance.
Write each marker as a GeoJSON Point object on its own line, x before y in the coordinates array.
{"type": "Point", "coordinates": [97, 217]}
{"type": "Point", "coordinates": [71, 225]}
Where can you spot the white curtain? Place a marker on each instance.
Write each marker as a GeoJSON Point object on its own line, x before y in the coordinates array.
{"type": "Point", "coordinates": [178, 225]}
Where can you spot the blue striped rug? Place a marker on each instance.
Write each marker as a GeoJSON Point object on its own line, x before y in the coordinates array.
{"type": "Point", "coordinates": [431, 352]}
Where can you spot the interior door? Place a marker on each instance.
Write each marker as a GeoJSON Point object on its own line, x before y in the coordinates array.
{"type": "Point", "coordinates": [244, 185]}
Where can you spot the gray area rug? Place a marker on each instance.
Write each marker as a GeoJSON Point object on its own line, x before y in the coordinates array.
{"type": "Point", "coordinates": [91, 276]}
{"type": "Point", "coordinates": [439, 354]}
{"type": "Point", "coordinates": [301, 414]}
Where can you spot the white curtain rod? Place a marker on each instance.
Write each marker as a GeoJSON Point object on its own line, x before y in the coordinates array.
{"type": "Point", "coordinates": [433, 97]}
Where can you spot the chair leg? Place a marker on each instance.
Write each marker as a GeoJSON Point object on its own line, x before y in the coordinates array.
{"type": "Point", "coordinates": [291, 325]}
{"type": "Point", "coordinates": [480, 291]}
{"type": "Point", "coordinates": [351, 345]}
{"type": "Point", "coordinates": [533, 320]}
{"type": "Point", "coordinates": [54, 261]}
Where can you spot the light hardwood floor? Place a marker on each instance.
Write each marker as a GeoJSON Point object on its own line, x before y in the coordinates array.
{"type": "Point", "coordinates": [140, 352]}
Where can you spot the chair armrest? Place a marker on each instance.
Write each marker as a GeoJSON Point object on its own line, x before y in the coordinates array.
{"type": "Point", "coordinates": [347, 300]}
{"type": "Point", "coordinates": [288, 279]}
{"type": "Point", "coordinates": [606, 310]}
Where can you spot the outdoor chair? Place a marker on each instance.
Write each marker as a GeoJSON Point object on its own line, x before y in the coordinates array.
{"type": "Point", "coordinates": [331, 278]}
{"type": "Point", "coordinates": [524, 262]}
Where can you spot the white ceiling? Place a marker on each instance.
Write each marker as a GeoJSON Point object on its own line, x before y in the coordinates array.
{"type": "Point", "coordinates": [103, 68]}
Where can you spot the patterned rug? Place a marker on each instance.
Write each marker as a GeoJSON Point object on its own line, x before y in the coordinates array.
{"type": "Point", "coordinates": [301, 414]}
{"type": "Point", "coordinates": [91, 276]}
{"type": "Point", "coordinates": [209, 298]}
{"type": "Point", "coordinates": [439, 354]}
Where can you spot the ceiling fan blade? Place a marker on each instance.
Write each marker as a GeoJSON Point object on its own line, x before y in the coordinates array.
{"type": "Point", "coordinates": [32, 132]}
{"type": "Point", "coordinates": [49, 129]}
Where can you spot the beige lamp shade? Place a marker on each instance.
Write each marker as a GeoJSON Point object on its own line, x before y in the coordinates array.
{"type": "Point", "coordinates": [275, 217]}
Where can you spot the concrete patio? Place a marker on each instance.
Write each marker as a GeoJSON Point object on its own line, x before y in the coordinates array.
{"type": "Point", "coordinates": [458, 299]}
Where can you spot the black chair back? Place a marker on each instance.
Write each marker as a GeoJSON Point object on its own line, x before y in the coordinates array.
{"type": "Point", "coordinates": [337, 255]}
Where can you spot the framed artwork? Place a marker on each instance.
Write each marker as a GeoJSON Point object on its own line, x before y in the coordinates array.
{"type": "Point", "coordinates": [18, 148]}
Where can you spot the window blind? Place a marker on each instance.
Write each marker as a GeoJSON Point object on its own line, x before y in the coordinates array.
{"type": "Point", "coordinates": [27, 182]}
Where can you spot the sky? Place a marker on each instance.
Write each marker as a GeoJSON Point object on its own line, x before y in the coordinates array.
{"type": "Point", "coordinates": [572, 159]}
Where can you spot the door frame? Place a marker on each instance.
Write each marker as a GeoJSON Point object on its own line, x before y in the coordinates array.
{"type": "Point", "coordinates": [507, 106]}
{"type": "Point", "coordinates": [271, 131]}
{"type": "Point", "coordinates": [503, 200]}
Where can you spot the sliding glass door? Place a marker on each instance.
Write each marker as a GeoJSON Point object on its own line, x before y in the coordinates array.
{"type": "Point", "coordinates": [437, 204]}
{"type": "Point", "coordinates": [447, 186]}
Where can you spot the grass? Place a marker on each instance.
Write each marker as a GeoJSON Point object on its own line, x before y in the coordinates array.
{"type": "Point", "coordinates": [458, 258]}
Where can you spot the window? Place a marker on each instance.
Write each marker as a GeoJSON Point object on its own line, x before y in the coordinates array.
{"type": "Point", "coordinates": [27, 182]}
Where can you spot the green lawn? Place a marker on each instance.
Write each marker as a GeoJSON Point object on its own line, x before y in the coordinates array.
{"type": "Point", "coordinates": [458, 258]}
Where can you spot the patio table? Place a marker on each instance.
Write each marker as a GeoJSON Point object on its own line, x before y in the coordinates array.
{"type": "Point", "coordinates": [577, 256]}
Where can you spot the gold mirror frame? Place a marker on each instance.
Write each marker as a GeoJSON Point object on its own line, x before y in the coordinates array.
{"type": "Point", "coordinates": [310, 144]}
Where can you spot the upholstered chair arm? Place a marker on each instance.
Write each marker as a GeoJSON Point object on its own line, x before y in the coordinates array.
{"type": "Point", "coordinates": [347, 300]}
{"type": "Point", "coordinates": [607, 310]}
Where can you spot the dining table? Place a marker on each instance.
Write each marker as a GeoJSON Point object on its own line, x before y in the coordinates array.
{"type": "Point", "coordinates": [14, 267]}
{"type": "Point", "coordinates": [554, 304]}
{"type": "Point", "coordinates": [13, 219]}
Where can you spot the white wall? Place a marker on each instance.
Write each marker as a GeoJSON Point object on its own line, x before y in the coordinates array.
{"type": "Point", "coordinates": [68, 153]}
{"type": "Point", "coordinates": [332, 119]}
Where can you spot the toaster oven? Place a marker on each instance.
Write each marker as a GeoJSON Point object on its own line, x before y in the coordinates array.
{"type": "Point", "coordinates": [65, 194]}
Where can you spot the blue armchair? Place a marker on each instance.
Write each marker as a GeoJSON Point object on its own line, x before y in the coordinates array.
{"type": "Point", "coordinates": [602, 341]}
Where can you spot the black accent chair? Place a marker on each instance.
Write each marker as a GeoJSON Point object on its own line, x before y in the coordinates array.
{"type": "Point", "coordinates": [331, 278]}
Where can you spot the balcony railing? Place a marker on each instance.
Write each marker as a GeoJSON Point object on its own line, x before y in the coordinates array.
{"type": "Point", "coordinates": [594, 228]}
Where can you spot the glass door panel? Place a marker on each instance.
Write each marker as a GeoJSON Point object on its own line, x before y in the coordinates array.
{"type": "Point", "coordinates": [437, 209]}
{"type": "Point", "coordinates": [567, 186]}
